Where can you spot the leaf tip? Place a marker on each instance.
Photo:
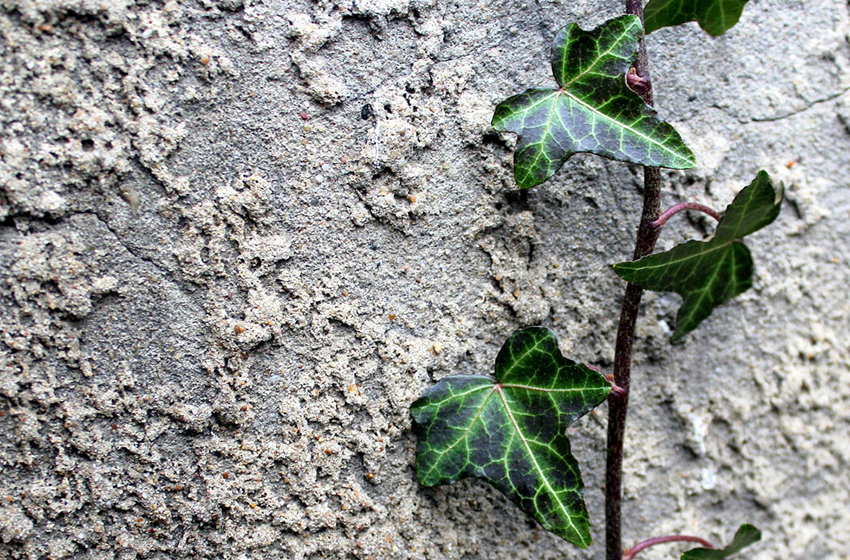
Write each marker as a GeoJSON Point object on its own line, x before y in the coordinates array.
{"type": "Point", "coordinates": [623, 270]}
{"type": "Point", "coordinates": [523, 184]}
{"type": "Point", "coordinates": [678, 335]}
{"type": "Point", "coordinates": [583, 544]}
{"type": "Point", "coordinates": [713, 32]}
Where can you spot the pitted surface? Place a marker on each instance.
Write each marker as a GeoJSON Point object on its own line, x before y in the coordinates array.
{"type": "Point", "coordinates": [238, 239]}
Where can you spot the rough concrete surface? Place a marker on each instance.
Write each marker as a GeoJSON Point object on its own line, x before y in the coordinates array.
{"type": "Point", "coordinates": [238, 238]}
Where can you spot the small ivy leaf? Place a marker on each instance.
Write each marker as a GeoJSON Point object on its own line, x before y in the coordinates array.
{"type": "Point", "coordinates": [511, 432]}
{"type": "Point", "coordinates": [744, 537]}
{"type": "Point", "coordinates": [593, 110]}
{"type": "Point", "coordinates": [716, 17]}
{"type": "Point", "coordinates": [709, 273]}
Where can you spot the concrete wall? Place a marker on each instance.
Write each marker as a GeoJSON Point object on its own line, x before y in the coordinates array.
{"type": "Point", "coordinates": [239, 238]}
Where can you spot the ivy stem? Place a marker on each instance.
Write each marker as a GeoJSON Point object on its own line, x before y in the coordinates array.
{"type": "Point", "coordinates": [659, 223]}
{"type": "Point", "coordinates": [632, 552]}
{"type": "Point", "coordinates": [618, 401]}
{"type": "Point", "coordinates": [641, 66]}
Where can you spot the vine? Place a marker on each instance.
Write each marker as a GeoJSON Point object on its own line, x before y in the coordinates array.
{"type": "Point", "coordinates": [510, 430]}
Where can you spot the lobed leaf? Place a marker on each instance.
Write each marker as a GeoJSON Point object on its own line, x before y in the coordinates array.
{"type": "Point", "coordinates": [709, 273]}
{"type": "Point", "coordinates": [593, 110]}
{"type": "Point", "coordinates": [716, 17]}
{"type": "Point", "coordinates": [744, 537]}
{"type": "Point", "coordinates": [511, 432]}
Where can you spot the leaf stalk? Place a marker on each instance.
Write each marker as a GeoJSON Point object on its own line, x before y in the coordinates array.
{"type": "Point", "coordinates": [632, 552]}
{"type": "Point", "coordinates": [669, 213]}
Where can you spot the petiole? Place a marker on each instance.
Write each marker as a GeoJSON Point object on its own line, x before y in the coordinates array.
{"type": "Point", "coordinates": [630, 553]}
{"type": "Point", "coordinates": [659, 223]}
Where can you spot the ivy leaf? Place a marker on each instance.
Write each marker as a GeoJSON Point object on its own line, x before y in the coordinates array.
{"type": "Point", "coordinates": [744, 537]}
{"type": "Point", "coordinates": [593, 110]}
{"type": "Point", "coordinates": [709, 273]}
{"type": "Point", "coordinates": [715, 16]}
{"type": "Point", "coordinates": [511, 432]}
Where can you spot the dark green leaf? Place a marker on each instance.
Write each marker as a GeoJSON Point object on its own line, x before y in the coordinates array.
{"type": "Point", "coordinates": [709, 273]}
{"type": "Point", "coordinates": [744, 537]}
{"type": "Point", "coordinates": [511, 432]}
{"type": "Point", "coordinates": [593, 110]}
{"type": "Point", "coordinates": [714, 16]}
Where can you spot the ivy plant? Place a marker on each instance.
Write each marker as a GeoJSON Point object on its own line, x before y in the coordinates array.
{"type": "Point", "coordinates": [593, 110]}
{"type": "Point", "coordinates": [744, 537]}
{"type": "Point", "coordinates": [510, 429]}
{"type": "Point", "coordinates": [708, 273]}
{"type": "Point", "coordinates": [714, 16]}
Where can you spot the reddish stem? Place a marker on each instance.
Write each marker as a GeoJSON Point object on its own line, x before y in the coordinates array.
{"type": "Point", "coordinates": [618, 401]}
{"type": "Point", "coordinates": [632, 552]}
{"type": "Point", "coordinates": [659, 223]}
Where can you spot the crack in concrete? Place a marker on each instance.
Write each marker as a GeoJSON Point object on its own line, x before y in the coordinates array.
{"type": "Point", "coordinates": [804, 109]}
{"type": "Point", "coordinates": [744, 120]}
{"type": "Point", "coordinates": [810, 105]}
{"type": "Point", "coordinates": [118, 238]}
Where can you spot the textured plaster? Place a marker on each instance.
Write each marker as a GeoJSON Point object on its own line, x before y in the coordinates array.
{"type": "Point", "coordinates": [239, 238]}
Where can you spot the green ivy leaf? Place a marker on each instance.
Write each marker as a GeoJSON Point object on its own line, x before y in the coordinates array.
{"type": "Point", "coordinates": [511, 432]}
{"type": "Point", "coordinates": [709, 273]}
{"type": "Point", "coordinates": [744, 537]}
{"type": "Point", "coordinates": [593, 110]}
{"type": "Point", "coordinates": [715, 16]}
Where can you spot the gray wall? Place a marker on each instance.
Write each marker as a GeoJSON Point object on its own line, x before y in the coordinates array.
{"type": "Point", "coordinates": [223, 280]}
